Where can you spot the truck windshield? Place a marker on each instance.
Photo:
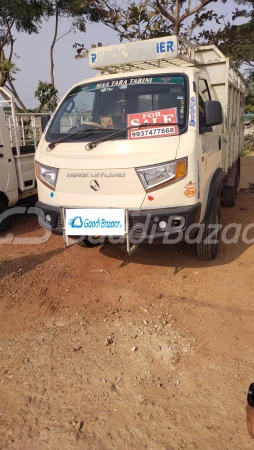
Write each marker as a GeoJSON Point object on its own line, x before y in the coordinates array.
{"type": "Point", "coordinates": [110, 104]}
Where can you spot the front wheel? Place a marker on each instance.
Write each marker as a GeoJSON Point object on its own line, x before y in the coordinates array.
{"type": "Point", "coordinates": [208, 241]}
{"type": "Point", "coordinates": [84, 242]}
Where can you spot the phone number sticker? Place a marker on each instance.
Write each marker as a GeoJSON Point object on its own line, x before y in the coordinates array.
{"type": "Point", "coordinates": [162, 131]}
{"type": "Point", "coordinates": [152, 124]}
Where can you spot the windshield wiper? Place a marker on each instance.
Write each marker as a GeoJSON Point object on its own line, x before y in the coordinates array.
{"type": "Point", "coordinates": [52, 144]}
{"type": "Point", "coordinates": [92, 145]}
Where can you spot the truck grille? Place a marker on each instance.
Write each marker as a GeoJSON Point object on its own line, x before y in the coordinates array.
{"type": "Point", "coordinates": [59, 222]}
{"type": "Point", "coordinates": [135, 227]}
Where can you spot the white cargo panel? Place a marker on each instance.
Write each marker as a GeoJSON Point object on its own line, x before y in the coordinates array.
{"type": "Point", "coordinates": [25, 171]}
{"type": "Point", "coordinates": [24, 130]}
{"type": "Point", "coordinates": [228, 88]}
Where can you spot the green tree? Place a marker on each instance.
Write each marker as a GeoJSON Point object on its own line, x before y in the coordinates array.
{"type": "Point", "coordinates": [249, 98]}
{"type": "Point", "coordinates": [27, 16]}
{"type": "Point", "coordinates": [145, 19]}
{"type": "Point", "coordinates": [22, 15]}
{"type": "Point", "coordinates": [78, 12]}
{"type": "Point", "coordinates": [46, 93]}
{"type": "Point", "coordinates": [236, 41]}
{"type": "Point", "coordinates": [155, 18]}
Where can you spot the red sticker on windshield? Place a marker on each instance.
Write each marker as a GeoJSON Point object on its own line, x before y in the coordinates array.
{"type": "Point", "coordinates": [141, 121]}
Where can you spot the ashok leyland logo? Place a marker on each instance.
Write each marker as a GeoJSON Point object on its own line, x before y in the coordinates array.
{"type": "Point", "coordinates": [93, 57]}
{"type": "Point", "coordinates": [94, 185]}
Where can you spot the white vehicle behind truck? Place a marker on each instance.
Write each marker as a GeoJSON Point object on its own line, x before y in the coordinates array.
{"type": "Point", "coordinates": [20, 134]}
{"type": "Point", "coordinates": [147, 149]}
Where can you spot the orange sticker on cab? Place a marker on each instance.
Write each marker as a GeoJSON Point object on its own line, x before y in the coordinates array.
{"type": "Point", "coordinates": [190, 189]}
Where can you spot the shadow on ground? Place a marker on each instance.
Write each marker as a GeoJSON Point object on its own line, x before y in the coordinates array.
{"type": "Point", "coordinates": [183, 255]}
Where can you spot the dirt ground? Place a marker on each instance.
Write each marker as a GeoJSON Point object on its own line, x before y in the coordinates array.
{"type": "Point", "coordinates": [153, 352]}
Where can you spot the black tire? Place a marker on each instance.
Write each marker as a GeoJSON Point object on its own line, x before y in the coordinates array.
{"type": "Point", "coordinates": [86, 243]}
{"type": "Point", "coordinates": [208, 250]}
{"type": "Point", "coordinates": [229, 196]}
{"type": "Point", "coordinates": [4, 222]}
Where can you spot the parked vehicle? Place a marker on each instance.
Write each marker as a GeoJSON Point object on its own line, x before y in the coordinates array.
{"type": "Point", "coordinates": [147, 149]}
{"type": "Point", "coordinates": [19, 136]}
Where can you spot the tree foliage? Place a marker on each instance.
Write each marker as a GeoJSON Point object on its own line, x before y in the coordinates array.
{"type": "Point", "coordinates": [132, 20]}
{"type": "Point", "coordinates": [78, 12]}
{"type": "Point", "coordinates": [27, 16]}
{"type": "Point", "coordinates": [146, 19]}
{"type": "Point", "coordinates": [46, 93]}
{"type": "Point", "coordinates": [22, 15]}
{"type": "Point", "coordinates": [155, 18]}
{"type": "Point", "coordinates": [249, 98]}
{"type": "Point", "coordinates": [236, 41]}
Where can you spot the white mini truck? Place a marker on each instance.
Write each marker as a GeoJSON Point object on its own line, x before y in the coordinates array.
{"type": "Point", "coordinates": [20, 134]}
{"type": "Point", "coordinates": [146, 150]}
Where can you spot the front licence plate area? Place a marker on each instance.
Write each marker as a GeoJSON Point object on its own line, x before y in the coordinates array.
{"type": "Point", "coordinates": [95, 222]}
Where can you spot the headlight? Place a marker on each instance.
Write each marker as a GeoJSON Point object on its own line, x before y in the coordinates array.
{"type": "Point", "coordinates": [156, 177]}
{"type": "Point", "coordinates": [47, 175]}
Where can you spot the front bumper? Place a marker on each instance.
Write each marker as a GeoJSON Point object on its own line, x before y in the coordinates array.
{"type": "Point", "coordinates": [143, 224]}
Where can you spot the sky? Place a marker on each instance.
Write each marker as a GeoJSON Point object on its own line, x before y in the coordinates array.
{"type": "Point", "coordinates": [34, 63]}
{"type": "Point", "coordinates": [33, 55]}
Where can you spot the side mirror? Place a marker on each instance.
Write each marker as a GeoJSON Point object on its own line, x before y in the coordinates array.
{"type": "Point", "coordinates": [44, 121]}
{"type": "Point", "coordinates": [213, 113]}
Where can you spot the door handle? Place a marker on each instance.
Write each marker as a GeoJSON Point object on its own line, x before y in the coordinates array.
{"type": "Point", "coordinates": [220, 143]}
{"type": "Point", "coordinates": [1, 155]}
